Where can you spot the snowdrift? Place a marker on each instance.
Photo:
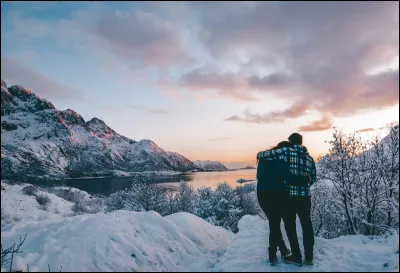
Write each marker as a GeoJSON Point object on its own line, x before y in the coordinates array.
{"type": "Point", "coordinates": [118, 241]}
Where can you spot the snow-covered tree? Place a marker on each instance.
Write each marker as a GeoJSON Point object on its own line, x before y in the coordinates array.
{"type": "Point", "coordinates": [340, 167]}
{"type": "Point", "coordinates": [385, 156]}
{"type": "Point", "coordinates": [364, 175]}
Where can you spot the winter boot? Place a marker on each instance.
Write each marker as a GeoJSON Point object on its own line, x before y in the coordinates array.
{"type": "Point", "coordinates": [273, 259]}
{"type": "Point", "coordinates": [309, 259]}
{"type": "Point", "coordinates": [293, 260]}
{"type": "Point", "coordinates": [285, 252]}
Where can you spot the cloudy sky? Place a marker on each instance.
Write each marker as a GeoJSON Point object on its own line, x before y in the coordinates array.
{"type": "Point", "coordinates": [211, 80]}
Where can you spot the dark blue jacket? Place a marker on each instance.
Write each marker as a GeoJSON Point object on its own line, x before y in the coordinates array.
{"type": "Point", "coordinates": [271, 174]}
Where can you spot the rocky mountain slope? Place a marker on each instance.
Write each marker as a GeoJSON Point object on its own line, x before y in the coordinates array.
{"type": "Point", "coordinates": [39, 141]}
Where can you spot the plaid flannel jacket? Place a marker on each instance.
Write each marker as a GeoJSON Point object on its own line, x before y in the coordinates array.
{"type": "Point", "coordinates": [300, 163]}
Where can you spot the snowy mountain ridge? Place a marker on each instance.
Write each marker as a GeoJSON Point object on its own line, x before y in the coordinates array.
{"type": "Point", "coordinates": [209, 165]}
{"type": "Point", "coordinates": [39, 141]}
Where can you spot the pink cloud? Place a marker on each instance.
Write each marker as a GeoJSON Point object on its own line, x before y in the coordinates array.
{"type": "Point", "coordinates": [317, 125]}
{"type": "Point", "coordinates": [365, 130]}
{"type": "Point", "coordinates": [318, 53]}
{"type": "Point", "coordinates": [143, 39]}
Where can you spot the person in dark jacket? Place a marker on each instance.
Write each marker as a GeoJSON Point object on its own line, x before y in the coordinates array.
{"type": "Point", "coordinates": [298, 197]}
{"type": "Point", "coordinates": [271, 195]}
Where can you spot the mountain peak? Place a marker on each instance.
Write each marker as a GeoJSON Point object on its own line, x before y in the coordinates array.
{"type": "Point", "coordinates": [96, 121]}
{"type": "Point", "coordinates": [148, 143]}
{"type": "Point", "coordinates": [72, 117]}
{"type": "Point", "coordinates": [100, 128]}
{"type": "Point", "coordinates": [18, 98]}
{"type": "Point", "coordinates": [20, 91]}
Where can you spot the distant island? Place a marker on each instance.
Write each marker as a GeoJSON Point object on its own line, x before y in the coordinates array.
{"type": "Point", "coordinates": [211, 166]}
{"type": "Point", "coordinates": [242, 180]}
{"type": "Point", "coordinates": [248, 168]}
{"type": "Point", "coordinates": [244, 168]}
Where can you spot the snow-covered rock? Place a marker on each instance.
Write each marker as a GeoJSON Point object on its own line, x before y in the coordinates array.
{"type": "Point", "coordinates": [209, 165]}
{"type": "Point", "coordinates": [39, 141]}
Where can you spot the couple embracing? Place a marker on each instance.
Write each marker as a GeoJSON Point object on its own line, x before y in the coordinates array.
{"type": "Point", "coordinates": [285, 174]}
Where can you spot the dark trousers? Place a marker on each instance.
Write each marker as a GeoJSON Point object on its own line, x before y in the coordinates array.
{"type": "Point", "coordinates": [301, 206]}
{"type": "Point", "coordinates": [271, 203]}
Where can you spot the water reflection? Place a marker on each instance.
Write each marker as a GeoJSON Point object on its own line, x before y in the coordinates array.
{"type": "Point", "coordinates": [108, 185]}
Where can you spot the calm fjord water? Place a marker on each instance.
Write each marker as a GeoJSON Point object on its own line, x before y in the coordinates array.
{"type": "Point", "coordinates": [108, 185]}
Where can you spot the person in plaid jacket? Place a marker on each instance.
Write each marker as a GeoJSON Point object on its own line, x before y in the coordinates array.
{"type": "Point", "coordinates": [298, 198]}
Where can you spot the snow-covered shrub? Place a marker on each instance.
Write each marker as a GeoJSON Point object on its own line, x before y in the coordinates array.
{"type": "Point", "coordinates": [83, 203]}
{"type": "Point", "coordinates": [144, 197]}
{"type": "Point", "coordinates": [92, 205]}
{"type": "Point", "coordinates": [227, 208]}
{"type": "Point", "coordinates": [70, 195]}
{"type": "Point", "coordinates": [140, 197]}
{"type": "Point", "coordinates": [30, 190]}
{"type": "Point", "coordinates": [184, 199]}
{"type": "Point", "coordinates": [224, 206]}
{"type": "Point", "coordinates": [248, 200]}
{"type": "Point", "coordinates": [115, 201]}
{"type": "Point", "coordinates": [327, 218]}
{"type": "Point", "coordinates": [204, 204]}
{"type": "Point", "coordinates": [249, 187]}
{"type": "Point", "coordinates": [43, 201]}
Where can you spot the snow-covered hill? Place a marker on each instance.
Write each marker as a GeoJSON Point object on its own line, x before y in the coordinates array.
{"type": "Point", "coordinates": [16, 206]}
{"type": "Point", "coordinates": [145, 241]}
{"type": "Point", "coordinates": [39, 141]}
{"type": "Point", "coordinates": [210, 165]}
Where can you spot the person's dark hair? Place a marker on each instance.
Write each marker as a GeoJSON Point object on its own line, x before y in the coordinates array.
{"type": "Point", "coordinates": [295, 138]}
{"type": "Point", "coordinates": [282, 144]}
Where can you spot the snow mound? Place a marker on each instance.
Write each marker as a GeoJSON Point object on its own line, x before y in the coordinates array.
{"type": "Point", "coordinates": [16, 206]}
{"type": "Point", "coordinates": [118, 241]}
{"type": "Point", "coordinates": [198, 230]}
